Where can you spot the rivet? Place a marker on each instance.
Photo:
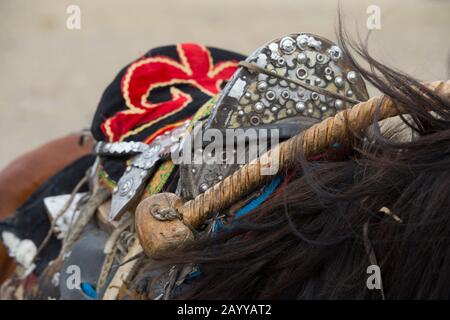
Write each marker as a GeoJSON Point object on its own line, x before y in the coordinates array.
{"type": "Point", "coordinates": [258, 107]}
{"type": "Point", "coordinates": [301, 73]}
{"type": "Point", "coordinates": [338, 81]}
{"type": "Point", "coordinates": [287, 44]}
{"type": "Point", "coordinates": [302, 57]}
{"type": "Point", "coordinates": [351, 76]}
{"type": "Point", "coordinates": [338, 104]}
{"type": "Point", "coordinates": [262, 86]}
{"type": "Point", "coordinates": [300, 106]}
{"type": "Point", "coordinates": [270, 95]}
{"type": "Point", "coordinates": [254, 120]}
{"type": "Point", "coordinates": [335, 53]}
{"type": "Point", "coordinates": [203, 187]}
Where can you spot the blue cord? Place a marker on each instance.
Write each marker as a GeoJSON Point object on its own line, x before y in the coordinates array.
{"type": "Point", "coordinates": [89, 290]}
{"type": "Point", "coordinates": [255, 203]}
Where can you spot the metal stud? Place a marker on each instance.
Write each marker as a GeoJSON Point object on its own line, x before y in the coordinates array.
{"type": "Point", "coordinates": [240, 113]}
{"type": "Point", "coordinates": [258, 107]}
{"type": "Point", "coordinates": [287, 44]}
{"type": "Point", "coordinates": [302, 40]}
{"type": "Point", "coordinates": [302, 57]}
{"type": "Point", "coordinates": [300, 106]}
{"type": "Point", "coordinates": [335, 53]}
{"type": "Point", "coordinates": [349, 93]}
{"type": "Point", "coordinates": [203, 187]}
{"type": "Point", "coordinates": [351, 76]}
{"type": "Point", "coordinates": [270, 95]}
{"type": "Point", "coordinates": [338, 81]}
{"type": "Point", "coordinates": [320, 58]}
{"type": "Point", "coordinates": [301, 73]}
{"type": "Point", "coordinates": [262, 86]}
{"type": "Point", "coordinates": [338, 104]}
{"type": "Point", "coordinates": [125, 187]}
{"type": "Point", "coordinates": [255, 120]}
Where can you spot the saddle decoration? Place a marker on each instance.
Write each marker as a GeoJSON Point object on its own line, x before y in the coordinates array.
{"type": "Point", "coordinates": [161, 175]}
{"type": "Point", "coordinates": [155, 95]}
{"type": "Point", "coordinates": [293, 81]}
{"type": "Point", "coordinates": [146, 110]}
{"type": "Point", "coordinates": [288, 84]}
{"type": "Point", "coordinates": [132, 183]}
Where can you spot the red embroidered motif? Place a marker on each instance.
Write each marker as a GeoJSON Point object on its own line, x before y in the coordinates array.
{"type": "Point", "coordinates": [143, 76]}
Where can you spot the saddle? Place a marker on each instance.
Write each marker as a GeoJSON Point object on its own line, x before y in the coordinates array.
{"type": "Point", "coordinates": [148, 113]}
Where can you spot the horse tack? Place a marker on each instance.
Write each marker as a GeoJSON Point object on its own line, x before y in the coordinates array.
{"type": "Point", "coordinates": [159, 130]}
{"type": "Point", "coordinates": [141, 167]}
{"type": "Point", "coordinates": [296, 80]}
{"type": "Point", "coordinates": [155, 235]}
{"type": "Point", "coordinates": [290, 83]}
{"type": "Point", "coordinates": [155, 186]}
{"type": "Point", "coordinates": [171, 229]}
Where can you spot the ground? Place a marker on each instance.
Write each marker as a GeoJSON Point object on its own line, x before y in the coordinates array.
{"type": "Point", "coordinates": [51, 78]}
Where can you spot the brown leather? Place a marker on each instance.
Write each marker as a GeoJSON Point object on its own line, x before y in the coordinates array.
{"type": "Point", "coordinates": [24, 175]}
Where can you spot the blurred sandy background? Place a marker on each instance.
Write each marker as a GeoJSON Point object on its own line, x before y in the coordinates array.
{"type": "Point", "coordinates": [51, 78]}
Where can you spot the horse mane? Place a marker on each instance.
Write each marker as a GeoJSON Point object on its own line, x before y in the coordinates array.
{"type": "Point", "coordinates": [387, 202]}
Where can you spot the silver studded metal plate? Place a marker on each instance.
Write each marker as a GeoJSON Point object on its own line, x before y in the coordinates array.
{"type": "Point", "coordinates": [252, 99]}
{"type": "Point", "coordinates": [141, 167]}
